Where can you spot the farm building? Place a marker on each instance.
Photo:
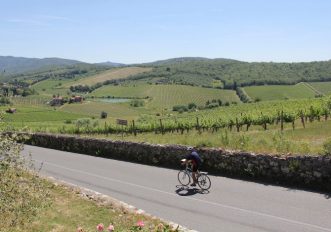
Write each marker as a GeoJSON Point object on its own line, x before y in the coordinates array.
{"type": "Point", "coordinates": [76, 99]}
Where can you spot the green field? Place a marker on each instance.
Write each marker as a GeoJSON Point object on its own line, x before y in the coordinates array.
{"type": "Point", "coordinates": [116, 73]}
{"type": "Point", "coordinates": [323, 87]}
{"type": "Point", "coordinates": [27, 114]}
{"type": "Point", "coordinates": [279, 92]}
{"type": "Point", "coordinates": [94, 109]}
{"type": "Point", "coordinates": [165, 96]}
{"type": "Point", "coordinates": [50, 87]}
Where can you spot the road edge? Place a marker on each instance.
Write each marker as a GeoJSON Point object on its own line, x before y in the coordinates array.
{"type": "Point", "coordinates": [106, 200]}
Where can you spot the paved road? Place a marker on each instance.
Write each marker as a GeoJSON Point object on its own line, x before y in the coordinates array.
{"type": "Point", "coordinates": [231, 205]}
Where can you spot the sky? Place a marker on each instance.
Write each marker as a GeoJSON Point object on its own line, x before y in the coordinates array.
{"type": "Point", "coordinates": [136, 31]}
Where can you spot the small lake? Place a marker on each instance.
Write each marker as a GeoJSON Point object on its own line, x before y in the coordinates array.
{"type": "Point", "coordinates": [114, 100]}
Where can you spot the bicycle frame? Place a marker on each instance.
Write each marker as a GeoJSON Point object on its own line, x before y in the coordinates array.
{"type": "Point", "coordinates": [202, 177]}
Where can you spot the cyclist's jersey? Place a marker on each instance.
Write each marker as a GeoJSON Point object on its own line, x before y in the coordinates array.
{"type": "Point", "coordinates": [194, 156]}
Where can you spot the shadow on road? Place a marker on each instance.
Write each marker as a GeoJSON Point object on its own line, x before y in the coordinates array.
{"type": "Point", "coordinates": [187, 191]}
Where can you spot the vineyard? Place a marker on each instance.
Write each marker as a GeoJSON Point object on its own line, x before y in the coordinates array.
{"type": "Point", "coordinates": [161, 96]}
{"type": "Point", "coordinates": [278, 92]}
{"type": "Point", "coordinates": [323, 87]}
{"type": "Point", "coordinates": [236, 117]}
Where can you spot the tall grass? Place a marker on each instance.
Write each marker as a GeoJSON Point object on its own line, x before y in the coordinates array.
{"type": "Point", "coordinates": [22, 193]}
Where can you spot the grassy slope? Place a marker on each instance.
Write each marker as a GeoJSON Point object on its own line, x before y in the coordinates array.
{"type": "Point", "coordinates": [279, 92]}
{"type": "Point", "coordinates": [70, 211]}
{"type": "Point", "coordinates": [323, 87]}
{"type": "Point", "coordinates": [168, 95]}
{"type": "Point", "coordinates": [118, 73]}
{"type": "Point", "coordinates": [50, 87]}
{"type": "Point", "coordinates": [94, 108]}
{"type": "Point", "coordinates": [26, 114]}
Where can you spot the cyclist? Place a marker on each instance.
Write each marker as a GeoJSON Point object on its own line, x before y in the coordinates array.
{"type": "Point", "coordinates": [195, 161]}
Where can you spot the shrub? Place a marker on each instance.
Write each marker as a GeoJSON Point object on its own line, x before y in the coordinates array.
{"type": "Point", "coordinates": [327, 147]}
{"type": "Point", "coordinates": [68, 121]}
{"type": "Point", "coordinates": [192, 105]}
{"type": "Point", "coordinates": [137, 103]}
{"type": "Point", "coordinates": [4, 101]}
{"type": "Point", "coordinates": [212, 105]}
{"type": "Point", "coordinates": [257, 99]}
{"type": "Point", "coordinates": [180, 108]}
{"type": "Point", "coordinates": [103, 115]}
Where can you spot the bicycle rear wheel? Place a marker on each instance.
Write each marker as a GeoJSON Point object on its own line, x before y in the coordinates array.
{"type": "Point", "coordinates": [184, 178]}
{"type": "Point", "coordinates": [204, 181]}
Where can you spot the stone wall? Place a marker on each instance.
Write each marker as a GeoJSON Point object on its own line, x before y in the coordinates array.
{"type": "Point", "coordinates": [312, 172]}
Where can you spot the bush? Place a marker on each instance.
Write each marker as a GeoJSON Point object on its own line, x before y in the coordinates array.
{"type": "Point", "coordinates": [327, 147]}
{"type": "Point", "coordinates": [257, 99]}
{"type": "Point", "coordinates": [180, 108]}
{"type": "Point", "coordinates": [137, 103]}
{"type": "Point", "coordinates": [192, 105]}
{"type": "Point", "coordinates": [103, 115]}
{"type": "Point", "coordinates": [212, 105]}
{"type": "Point", "coordinates": [4, 101]}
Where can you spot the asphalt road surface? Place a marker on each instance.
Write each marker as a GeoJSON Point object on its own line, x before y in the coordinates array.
{"type": "Point", "coordinates": [231, 205]}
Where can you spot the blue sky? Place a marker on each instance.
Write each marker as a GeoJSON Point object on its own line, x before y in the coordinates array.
{"type": "Point", "coordinates": [134, 31]}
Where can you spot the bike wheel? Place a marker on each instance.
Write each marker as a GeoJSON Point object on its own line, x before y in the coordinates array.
{"type": "Point", "coordinates": [184, 178]}
{"type": "Point", "coordinates": [204, 181]}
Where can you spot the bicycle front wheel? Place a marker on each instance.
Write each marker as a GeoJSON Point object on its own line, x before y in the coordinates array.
{"type": "Point", "coordinates": [184, 178]}
{"type": "Point", "coordinates": [204, 181]}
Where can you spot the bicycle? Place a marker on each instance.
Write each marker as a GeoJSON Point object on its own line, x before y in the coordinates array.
{"type": "Point", "coordinates": [184, 177]}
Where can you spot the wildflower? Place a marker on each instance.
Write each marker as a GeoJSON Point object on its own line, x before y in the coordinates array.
{"type": "Point", "coordinates": [140, 224]}
{"type": "Point", "coordinates": [100, 227]}
{"type": "Point", "coordinates": [110, 228]}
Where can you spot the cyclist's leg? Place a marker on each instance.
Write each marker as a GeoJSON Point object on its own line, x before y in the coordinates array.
{"type": "Point", "coordinates": [194, 173]}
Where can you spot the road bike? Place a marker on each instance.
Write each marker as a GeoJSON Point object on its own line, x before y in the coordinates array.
{"type": "Point", "coordinates": [184, 177]}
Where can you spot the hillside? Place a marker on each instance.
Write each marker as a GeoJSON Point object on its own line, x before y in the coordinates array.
{"type": "Point", "coordinates": [167, 96]}
{"type": "Point", "coordinates": [113, 74]}
{"type": "Point", "coordinates": [30, 68]}
{"type": "Point", "coordinates": [231, 73]}
{"type": "Point", "coordinates": [14, 65]}
{"type": "Point", "coordinates": [72, 72]}
{"type": "Point", "coordinates": [110, 64]}
{"type": "Point", "coordinates": [279, 92]}
{"type": "Point", "coordinates": [221, 73]}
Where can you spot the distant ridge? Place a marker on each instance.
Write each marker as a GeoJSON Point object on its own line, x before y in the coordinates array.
{"type": "Point", "coordinates": [183, 60]}
{"type": "Point", "coordinates": [110, 64]}
{"type": "Point", "coordinates": [10, 65]}
{"type": "Point", "coordinates": [14, 65]}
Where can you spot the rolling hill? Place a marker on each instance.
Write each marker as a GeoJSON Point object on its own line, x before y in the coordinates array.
{"type": "Point", "coordinates": [232, 73]}
{"type": "Point", "coordinates": [20, 67]}
{"type": "Point", "coordinates": [15, 65]}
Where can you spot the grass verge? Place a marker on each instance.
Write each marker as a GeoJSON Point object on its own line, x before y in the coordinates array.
{"type": "Point", "coordinates": [70, 209]}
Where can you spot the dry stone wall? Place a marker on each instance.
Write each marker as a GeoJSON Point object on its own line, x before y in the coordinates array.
{"type": "Point", "coordinates": [312, 172]}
